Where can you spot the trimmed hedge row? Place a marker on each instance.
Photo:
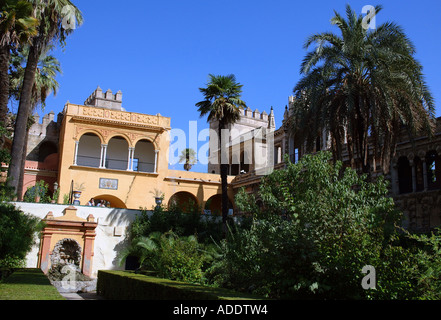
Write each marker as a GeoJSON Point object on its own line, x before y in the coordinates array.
{"type": "Point", "coordinates": [5, 272]}
{"type": "Point", "coordinates": [28, 284]}
{"type": "Point", "coordinates": [127, 285]}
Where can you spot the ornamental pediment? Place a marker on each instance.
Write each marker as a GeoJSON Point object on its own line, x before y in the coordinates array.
{"type": "Point", "coordinates": [117, 117]}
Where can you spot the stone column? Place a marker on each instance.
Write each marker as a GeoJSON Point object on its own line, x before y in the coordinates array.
{"type": "Point", "coordinates": [156, 161]}
{"type": "Point", "coordinates": [77, 143]}
{"type": "Point", "coordinates": [130, 159]}
{"type": "Point", "coordinates": [412, 164]}
{"type": "Point", "coordinates": [103, 156]}
{"type": "Point", "coordinates": [426, 183]}
{"type": "Point", "coordinates": [394, 178]}
{"type": "Point", "coordinates": [279, 155]}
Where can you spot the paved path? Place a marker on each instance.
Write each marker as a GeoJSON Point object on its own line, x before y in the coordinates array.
{"type": "Point", "coordinates": [81, 296]}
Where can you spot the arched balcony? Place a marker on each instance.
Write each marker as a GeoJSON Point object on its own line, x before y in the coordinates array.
{"type": "Point", "coordinates": [419, 173]}
{"type": "Point", "coordinates": [116, 155]}
{"type": "Point", "coordinates": [88, 151]}
{"type": "Point", "coordinates": [144, 159]}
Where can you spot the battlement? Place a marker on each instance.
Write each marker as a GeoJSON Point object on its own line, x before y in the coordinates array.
{"type": "Point", "coordinates": [105, 99]}
{"type": "Point", "coordinates": [255, 115]}
{"type": "Point", "coordinates": [252, 119]}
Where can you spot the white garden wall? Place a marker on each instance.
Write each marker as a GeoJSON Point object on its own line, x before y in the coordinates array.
{"type": "Point", "coordinates": [110, 233]}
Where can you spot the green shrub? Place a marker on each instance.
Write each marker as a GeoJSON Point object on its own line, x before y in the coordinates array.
{"type": "Point", "coordinates": [319, 226]}
{"type": "Point", "coordinates": [17, 232]}
{"type": "Point", "coordinates": [170, 256]}
{"type": "Point", "coordinates": [41, 188]}
{"type": "Point", "coordinates": [182, 223]}
{"type": "Point", "coordinates": [429, 266]}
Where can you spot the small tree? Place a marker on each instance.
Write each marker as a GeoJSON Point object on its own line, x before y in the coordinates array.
{"type": "Point", "coordinates": [188, 158]}
{"type": "Point", "coordinates": [17, 235]}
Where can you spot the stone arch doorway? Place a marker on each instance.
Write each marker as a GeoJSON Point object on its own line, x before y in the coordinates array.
{"type": "Point", "coordinates": [184, 201]}
{"type": "Point", "coordinates": [67, 238]}
{"type": "Point", "coordinates": [214, 205]}
{"type": "Point", "coordinates": [112, 201]}
{"type": "Point", "coordinates": [46, 149]}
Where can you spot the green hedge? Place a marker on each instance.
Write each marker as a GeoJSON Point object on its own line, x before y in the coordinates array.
{"type": "Point", "coordinates": [127, 285]}
{"type": "Point", "coordinates": [5, 272]}
{"type": "Point", "coordinates": [28, 284]}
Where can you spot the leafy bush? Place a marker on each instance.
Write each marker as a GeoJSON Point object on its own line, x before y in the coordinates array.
{"type": "Point", "coordinates": [169, 256]}
{"type": "Point", "coordinates": [429, 265]}
{"type": "Point", "coordinates": [17, 231]}
{"type": "Point", "coordinates": [183, 223]}
{"type": "Point", "coordinates": [177, 244]}
{"type": "Point", "coordinates": [319, 226]}
{"type": "Point", "coordinates": [40, 189]}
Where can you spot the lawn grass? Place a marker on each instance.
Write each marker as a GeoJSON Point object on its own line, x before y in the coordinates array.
{"type": "Point", "coordinates": [28, 284]}
{"type": "Point", "coordinates": [126, 285]}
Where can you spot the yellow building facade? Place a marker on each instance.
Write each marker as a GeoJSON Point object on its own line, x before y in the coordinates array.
{"type": "Point", "coordinates": [121, 158]}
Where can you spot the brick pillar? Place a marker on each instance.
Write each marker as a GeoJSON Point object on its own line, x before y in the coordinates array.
{"type": "Point", "coordinates": [45, 247]}
{"type": "Point", "coordinates": [89, 240]}
{"type": "Point", "coordinates": [44, 256]}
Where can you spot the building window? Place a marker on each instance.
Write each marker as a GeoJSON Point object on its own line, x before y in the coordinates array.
{"type": "Point", "coordinates": [89, 149]}
{"type": "Point", "coordinates": [117, 154]}
{"type": "Point", "coordinates": [404, 175]}
{"type": "Point", "coordinates": [433, 170]}
{"type": "Point", "coordinates": [144, 157]}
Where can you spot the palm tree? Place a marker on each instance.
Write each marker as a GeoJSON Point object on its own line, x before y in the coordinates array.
{"type": "Point", "coordinates": [52, 26]}
{"type": "Point", "coordinates": [361, 87]}
{"type": "Point", "coordinates": [45, 84]}
{"type": "Point", "coordinates": [17, 26]}
{"type": "Point", "coordinates": [222, 103]}
{"type": "Point", "coordinates": [188, 158]}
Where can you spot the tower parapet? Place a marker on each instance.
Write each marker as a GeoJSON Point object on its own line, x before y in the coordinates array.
{"type": "Point", "coordinates": [106, 99]}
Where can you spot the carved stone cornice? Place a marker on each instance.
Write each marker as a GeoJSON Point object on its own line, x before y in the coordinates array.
{"type": "Point", "coordinates": [119, 119]}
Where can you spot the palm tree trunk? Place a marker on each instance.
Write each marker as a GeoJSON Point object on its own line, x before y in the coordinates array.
{"type": "Point", "coordinates": [24, 107]}
{"type": "Point", "coordinates": [20, 192]}
{"type": "Point", "coordinates": [224, 182]}
{"type": "Point", "coordinates": [5, 55]}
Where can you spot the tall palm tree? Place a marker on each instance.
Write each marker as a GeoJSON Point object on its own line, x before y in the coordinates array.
{"type": "Point", "coordinates": [52, 15]}
{"type": "Point", "coordinates": [45, 84]}
{"type": "Point", "coordinates": [361, 86]}
{"type": "Point", "coordinates": [17, 26]}
{"type": "Point", "coordinates": [222, 103]}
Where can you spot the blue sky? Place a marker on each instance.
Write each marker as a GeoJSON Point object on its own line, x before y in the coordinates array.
{"type": "Point", "coordinates": [158, 53]}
